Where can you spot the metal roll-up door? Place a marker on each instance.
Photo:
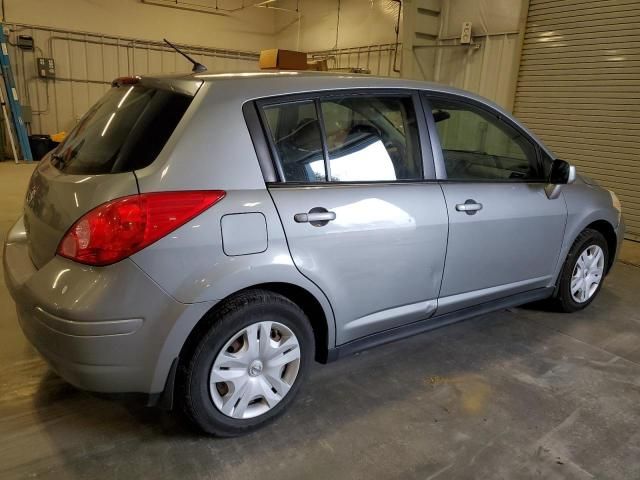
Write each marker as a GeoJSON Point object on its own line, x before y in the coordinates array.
{"type": "Point", "coordinates": [579, 90]}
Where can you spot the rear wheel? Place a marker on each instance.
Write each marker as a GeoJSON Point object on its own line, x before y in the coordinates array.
{"type": "Point", "coordinates": [249, 365]}
{"type": "Point", "coordinates": [583, 271]}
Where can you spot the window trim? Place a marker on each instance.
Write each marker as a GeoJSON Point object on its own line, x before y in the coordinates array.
{"type": "Point", "coordinates": [323, 141]}
{"type": "Point", "coordinates": [441, 171]}
{"type": "Point", "coordinates": [260, 143]}
{"type": "Point", "coordinates": [426, 152]}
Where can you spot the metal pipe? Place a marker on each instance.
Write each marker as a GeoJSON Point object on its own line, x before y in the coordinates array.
{"type": "Point", "coordinates": [186, 6]}
{"type": "Point", "coordinates": [216, 10]}
{"type": "Point", "coordinates": [156, 46]}
{"type": "Point", "coordinates": [191, 48]}
{"type": "Point", "coordinates": [381, 47]}
{"type": "Point", "coordinates": [496, 34]}
{"type": "Point", "coordinates": [395, 53]}
{"type": "Point", "coordinates": [475, 46]}
{"type": "Point", "coordinates": [82, 80]}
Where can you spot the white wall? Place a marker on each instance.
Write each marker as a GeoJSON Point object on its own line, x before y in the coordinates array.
{"type": "Point", "coordinates": [86, 64]}
{"type": "Point", "coordinates": [362, 22]}
{"type": "Point", "coordinates": [365, 38]}
{"type": "Point", "coordinates": [490, 70]}
{"type": "Point", "coordinates": [250, 29]}
{"type": "Point", "coordinates": [487, 16]}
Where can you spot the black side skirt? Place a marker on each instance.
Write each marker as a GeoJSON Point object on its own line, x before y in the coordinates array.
{"type": "Point", "coordinates": [438, 321]}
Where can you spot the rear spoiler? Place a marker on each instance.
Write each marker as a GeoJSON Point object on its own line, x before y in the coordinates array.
{"type": "Point", "coordinates": [184, 85]}
{"type": "Point", "coordinates": [120, 81]}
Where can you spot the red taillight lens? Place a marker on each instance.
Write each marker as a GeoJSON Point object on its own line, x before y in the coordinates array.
{"type": "Point", "coordinates": [117, 229]}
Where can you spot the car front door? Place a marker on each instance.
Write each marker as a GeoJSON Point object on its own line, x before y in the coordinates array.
{"type": "Point", "coordinates": [360, 220]}
{"type": "Point", "coordinates": [505, 234]}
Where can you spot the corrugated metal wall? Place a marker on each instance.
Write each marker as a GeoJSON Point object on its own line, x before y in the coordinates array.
{"type": "Point", "coordinates": [489, 70]}
{"type": "Point", "coordinates": [87, 63]}
{"type": "Point", "coordinates": [579, 89]}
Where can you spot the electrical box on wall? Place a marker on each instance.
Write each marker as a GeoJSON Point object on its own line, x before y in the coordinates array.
{"type": "Point", "coordinates": [25, 42]}
{"type": "Point", "coordinates": [46, 68]}
{"type": "Point", "coordinates": [465, 36]}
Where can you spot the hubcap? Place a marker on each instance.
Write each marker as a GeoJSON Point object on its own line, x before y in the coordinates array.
{"type": "Point", "coordinates": [587, 274]}
{"type": "Point", "coordinates": [254, 370]}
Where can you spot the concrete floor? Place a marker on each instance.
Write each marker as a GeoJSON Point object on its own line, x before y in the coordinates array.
{"type": "Point", "coordinates": [514, 394]}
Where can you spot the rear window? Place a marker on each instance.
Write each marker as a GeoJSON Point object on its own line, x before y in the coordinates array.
{"type": "Point", "coordinates": [124, 131]}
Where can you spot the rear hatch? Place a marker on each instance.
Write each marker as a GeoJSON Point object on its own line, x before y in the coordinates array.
{"type": "Point", "coordinates": [124, 131]}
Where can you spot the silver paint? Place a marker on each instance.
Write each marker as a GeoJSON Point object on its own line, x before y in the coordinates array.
{"type": "Point", "coordinates": [379, 264]}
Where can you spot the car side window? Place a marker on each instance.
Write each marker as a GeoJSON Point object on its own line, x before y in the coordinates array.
{"type": "Point", "coordinates": [372, 138]}
{"type": "Point", "coordinates": [366, 138]}
{"type": "Point", "coordinates": [295, 133]}
{"type": "Point", "coordinates": [477, 145]}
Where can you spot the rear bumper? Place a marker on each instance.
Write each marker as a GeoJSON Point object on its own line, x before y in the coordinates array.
{"type": "Point", "coordinates": [102, 329]}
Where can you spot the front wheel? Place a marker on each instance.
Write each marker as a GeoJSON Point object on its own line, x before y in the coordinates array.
{"type": "Point", "coordinates": [249, 365]}
{"type": "Point", "coordinates": [583, 271]}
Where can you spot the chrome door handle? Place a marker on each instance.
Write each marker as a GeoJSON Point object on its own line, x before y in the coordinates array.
{"type": "Point", "coordinates": [470, 207]}
{"type": "Point", "coordinates": [317, 217]}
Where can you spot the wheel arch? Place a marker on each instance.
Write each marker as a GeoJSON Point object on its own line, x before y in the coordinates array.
{"type": "Point", "coordinates": [595, 222]}
{"type": "Point", "coordinates": [303, 298]}
{"type": "Point", "coordinates": [609, 233]}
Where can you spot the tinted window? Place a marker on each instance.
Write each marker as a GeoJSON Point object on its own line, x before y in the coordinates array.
{"type": "Point", "coordinates": [295, 132]}
{"type": "Point", "coordinates": [477, 145]}
{"type": "Point", "coordinates": [372, 138]}
{"type": "Point", "coordinates": [124, 131]}
{"type": "Point", "coordinates": [546, 161]}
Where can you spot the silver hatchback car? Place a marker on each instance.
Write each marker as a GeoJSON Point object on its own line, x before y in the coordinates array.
{"type": "Point", "coordinates": [204, 238]}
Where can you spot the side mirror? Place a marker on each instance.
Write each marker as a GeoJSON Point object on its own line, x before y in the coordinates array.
{"type": "Point", "coordinates": [562, 173]}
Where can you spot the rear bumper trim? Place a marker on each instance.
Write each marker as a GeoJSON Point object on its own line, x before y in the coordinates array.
{"type": "Point", "coordinates": [87, 329]}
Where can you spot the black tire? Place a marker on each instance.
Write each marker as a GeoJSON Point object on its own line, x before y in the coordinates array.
{"type": "Point", "coordinates": [563, 299]}
{"type": "Point", "coordinates": [234, 314]}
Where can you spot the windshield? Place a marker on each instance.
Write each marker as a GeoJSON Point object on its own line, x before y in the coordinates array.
{"type": "Point", "coordinates": [124, 131]}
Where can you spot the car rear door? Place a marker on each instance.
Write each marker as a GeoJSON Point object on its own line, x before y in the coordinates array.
{"type": "Point", "coordinates": [360, 219]}
{"type": "Point", "coordinates": [505, 234]}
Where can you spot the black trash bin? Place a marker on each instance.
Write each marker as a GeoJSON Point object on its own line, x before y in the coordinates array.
{"type": "Point", "coordinates": [41, 145]}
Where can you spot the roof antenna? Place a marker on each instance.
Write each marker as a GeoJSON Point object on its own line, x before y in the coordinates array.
{"type": "Point", "coordinates": [197, 67]}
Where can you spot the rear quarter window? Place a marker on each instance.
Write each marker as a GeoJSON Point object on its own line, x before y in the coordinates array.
{"type": "Point", "coordinates": [123, 131]}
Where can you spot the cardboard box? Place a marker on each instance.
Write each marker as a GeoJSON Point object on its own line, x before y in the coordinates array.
{"type": "Point", "coordinates": [276, 58]}
{"type": "Point", "coordinates": [318, 65]}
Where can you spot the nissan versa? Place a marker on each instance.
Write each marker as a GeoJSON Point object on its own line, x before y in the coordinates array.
{"type": "Point", "coordinates": [202, 238]}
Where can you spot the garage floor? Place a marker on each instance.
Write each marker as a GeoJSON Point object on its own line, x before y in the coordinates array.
{"type": "Point", "coordinates": [514, 394]}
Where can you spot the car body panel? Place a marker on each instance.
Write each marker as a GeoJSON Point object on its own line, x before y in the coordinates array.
{"type": "Point", "coordinates": [514, 239]}
{"type": "Point", "coordinates": [55, 200]}
{"type": "Point", "coordinates": [191, 266]}
{"type": "Point", "coordinates": [587, 204]}
{"type": "Point", "coordinates": [380, 261]}
{"type": "Point", "coordinates": [102, 329]}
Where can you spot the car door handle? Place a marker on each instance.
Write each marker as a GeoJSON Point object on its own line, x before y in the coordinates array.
{"type": "Point", "coordinates": [470, 207]}
{"type": "Point", "coordinates": [317, 217]}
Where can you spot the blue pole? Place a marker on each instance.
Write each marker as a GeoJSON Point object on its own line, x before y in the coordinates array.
{"type": "Point", "coordinates": [12, 97]}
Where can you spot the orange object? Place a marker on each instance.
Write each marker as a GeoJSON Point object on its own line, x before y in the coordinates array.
{"type": "Point", "coordinates": [276, 58]}
{"type": "Point", "coordinates": [58, 137]}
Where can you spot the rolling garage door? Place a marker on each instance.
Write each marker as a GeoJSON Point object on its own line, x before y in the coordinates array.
{"type": "Point", "coordinates": [579, 90]}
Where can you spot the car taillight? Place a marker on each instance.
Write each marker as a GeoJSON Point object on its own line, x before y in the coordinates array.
{"type": "Point", "coordinates": [117, 229]}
